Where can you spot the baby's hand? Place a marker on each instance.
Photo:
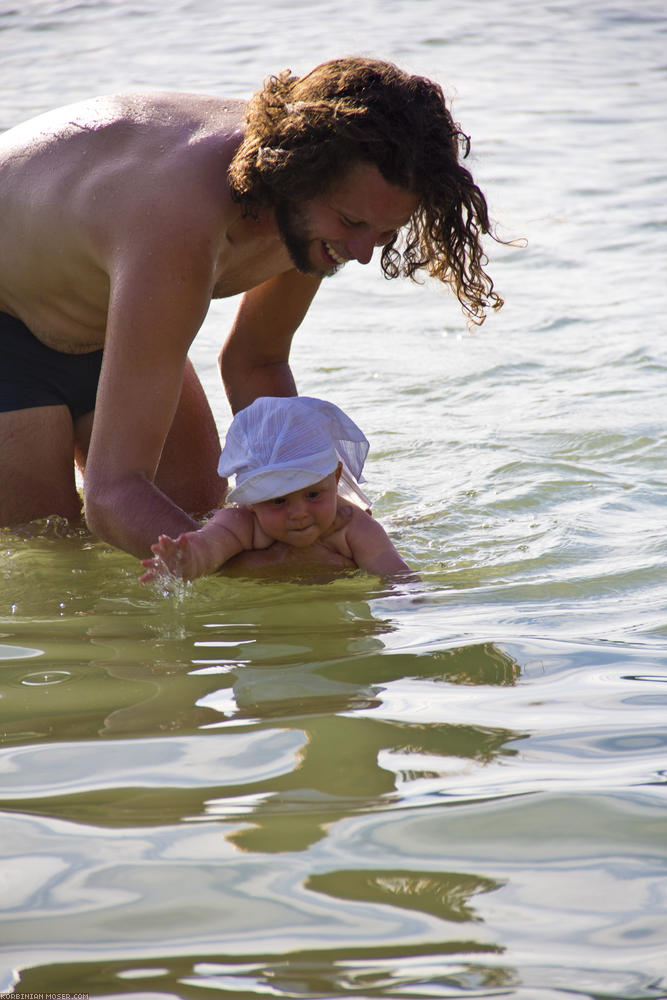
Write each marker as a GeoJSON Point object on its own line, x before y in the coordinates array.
{"type": "Point", "coordinates": [171, 556]}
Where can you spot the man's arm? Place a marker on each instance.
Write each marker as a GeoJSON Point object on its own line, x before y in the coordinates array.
{"type": "Point", "coordinates": [254, 360]}
{"type": "Point", "coordinates": [159, 296]}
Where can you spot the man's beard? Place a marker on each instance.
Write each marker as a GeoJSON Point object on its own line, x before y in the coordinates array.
{"type": "Point", "coordinates": [297, 239]}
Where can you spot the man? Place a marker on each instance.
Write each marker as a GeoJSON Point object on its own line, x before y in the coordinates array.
{"type": "Point", "coordinates": [124, 216]}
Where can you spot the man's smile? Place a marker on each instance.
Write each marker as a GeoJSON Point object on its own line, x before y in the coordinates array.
{"type": "Point", "coordinates": [334, 255]}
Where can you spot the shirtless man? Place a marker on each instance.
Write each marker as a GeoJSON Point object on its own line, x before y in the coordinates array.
{"type": "Point", "coordinates": [122, 217]}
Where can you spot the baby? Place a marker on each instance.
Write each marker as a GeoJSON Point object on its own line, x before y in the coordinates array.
{"type": "Point", "coordinates": [297, 462]}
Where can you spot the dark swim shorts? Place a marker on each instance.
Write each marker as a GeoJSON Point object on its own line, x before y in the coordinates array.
{"type": "Point", "coordinates": [32, 374]}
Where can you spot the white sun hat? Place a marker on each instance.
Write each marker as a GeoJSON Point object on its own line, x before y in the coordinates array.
{"type": "Point", "coordinates": [279, 444]}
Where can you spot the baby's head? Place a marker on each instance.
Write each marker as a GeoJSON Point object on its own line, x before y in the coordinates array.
{"type": "Point", "coordinates": [291, 455]}
{"type": "Point", "coordinates": [301, 517]}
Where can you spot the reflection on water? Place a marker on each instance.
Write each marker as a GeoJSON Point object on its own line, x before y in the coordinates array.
{"type": "Point", "coordinates": [317, 790]}
{"type": "Point", "coordinates": [297, 974]}
{"type": "Point", "coordinates": [303, 702]}
{"type": "Point", "coordinates": [442, 912]}
{"type": "Point", "coordinates": [445, 895]}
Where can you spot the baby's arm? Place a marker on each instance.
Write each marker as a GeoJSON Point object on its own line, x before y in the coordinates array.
{"type": "Point", "coordinates": [196, 553]}
{"type": "Point", "coordinates": [370, 546]}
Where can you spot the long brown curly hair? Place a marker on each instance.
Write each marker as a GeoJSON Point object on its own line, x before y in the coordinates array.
{"type": "Point", "coordinates": [302, 133]}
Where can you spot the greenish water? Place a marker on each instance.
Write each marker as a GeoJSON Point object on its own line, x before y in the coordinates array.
{"type": "Point", "coordinates": [323, 789]}
{"type": "Point", "coordinates": [339, 787]}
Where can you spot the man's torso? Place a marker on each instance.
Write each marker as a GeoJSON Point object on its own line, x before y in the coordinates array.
{"type": "Point", "coordinates": [86, 184]}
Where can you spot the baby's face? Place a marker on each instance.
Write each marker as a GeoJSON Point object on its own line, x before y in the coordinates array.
{"type": "Point", "coordinates": [302, 517]}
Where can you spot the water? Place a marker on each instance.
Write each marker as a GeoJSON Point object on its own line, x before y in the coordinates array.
{"type": "Point", "coordinates": [344, 789]}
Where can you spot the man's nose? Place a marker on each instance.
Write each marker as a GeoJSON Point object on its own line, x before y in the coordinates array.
{"type": "Point", "coordinates": [361, 246]}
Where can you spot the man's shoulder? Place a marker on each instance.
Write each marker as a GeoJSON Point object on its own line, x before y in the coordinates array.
{"type": "Point", "coordinates": [131, 118]}
{"type": "Point", "coordinates": [166, 108]}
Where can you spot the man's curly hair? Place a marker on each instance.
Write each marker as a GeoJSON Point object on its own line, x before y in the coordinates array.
{"type": "Point", "coordinates": [302, 133]}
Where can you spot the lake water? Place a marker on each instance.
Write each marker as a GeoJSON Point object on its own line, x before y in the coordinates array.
{"type": "Point", "coordinates": [344, 789]}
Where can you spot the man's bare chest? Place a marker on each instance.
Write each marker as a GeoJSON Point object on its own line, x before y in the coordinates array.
{"type": "Point", "coordinates": [248, 258]}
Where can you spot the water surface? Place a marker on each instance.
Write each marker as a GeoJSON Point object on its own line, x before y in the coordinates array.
{"type": "Point", "coordinates": [344, 788]}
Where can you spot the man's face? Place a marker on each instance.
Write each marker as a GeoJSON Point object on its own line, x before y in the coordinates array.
{"type": "Point", "coordinates": [357, 213]}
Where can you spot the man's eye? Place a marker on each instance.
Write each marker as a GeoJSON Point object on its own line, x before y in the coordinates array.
{"type": "Point", "coordinates": [277, 501]}
{"type": "Point", "coordinates": [313, 494]}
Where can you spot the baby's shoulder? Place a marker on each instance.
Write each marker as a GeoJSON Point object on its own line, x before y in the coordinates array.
{"type": "Point", "coordinates": [348, 514]}
{"type": "Point", "coordinates": [349, 521]}
{"type": "Point", "coordinates": [240, 521]}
